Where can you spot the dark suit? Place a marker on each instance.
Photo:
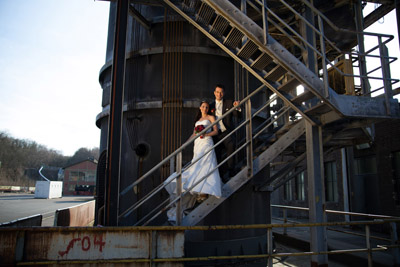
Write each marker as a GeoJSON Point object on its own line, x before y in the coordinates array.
{"type": "Point", "coordinates": [229, 143]}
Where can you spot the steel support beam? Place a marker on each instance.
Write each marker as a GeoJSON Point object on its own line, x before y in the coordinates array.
{"type": "Point", "coordinates": [309, 55]}
{"type": "Point", "coordinates": [397, 5]}
{"type": "Point", "coordinates": [316, 193]}
{"type": "Point", "coordinates": [116, 115]}
{"type": "Point", "coordinates": [361, 49]}
{"type": "Point", "coordinates": [308, 34]}
{"type": "Point", "coordinates": [139, 18]}
{"type": "Point", "coordinates": [345, 184]}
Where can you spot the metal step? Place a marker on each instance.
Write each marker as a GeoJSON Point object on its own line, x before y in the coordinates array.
{"type": "Point", "coordinates": [306, 95]}
{"type": "Point", "coordinates": [234, 38]}
{"type": "Point", "coordinates": [289, 85]}
{"type": "Point", "coordinates": [319, 109]}
{"type": "Point", "coordinates": [262, 61]}
{"type": "Point", "coordinates": [248, 49]}
{"type": "Point", "coordinates": [190, 6]}
{"type": "Point", "coordinates": [276, 73]}
{"type": "Point", "coordinates": [205, 14]}
{"type": "Point", "coordinates": [219, 26]}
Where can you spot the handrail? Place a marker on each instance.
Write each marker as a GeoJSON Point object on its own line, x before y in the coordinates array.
{"type": "Point", "coordinates": [220, 164]}
{"type": "Point", "coordinates": [189, 142]}
{"type": "Point", "coordinates": [204, 177]}
{"type": "Point", "coordinates": [319, 32]}
{"type": "Point", "coordinates": [334, 229]}
{"type": "Point", "coordinates": [330, 23]}
{"type": "Point", "coordinates": [161, 186]}
{"type": "Point", "coordinates": [186, 144]}
{"type": "Point", "coordinates": [376, 216]}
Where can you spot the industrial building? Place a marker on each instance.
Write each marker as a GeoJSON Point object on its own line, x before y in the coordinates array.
{"type": "Point", "coordinates": [316, 96]}
{"type": "Point", "coordinates": [80, 178]}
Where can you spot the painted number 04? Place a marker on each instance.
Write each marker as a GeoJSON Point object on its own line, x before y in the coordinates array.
{"type": "Point", "coordinates": [85, 244]}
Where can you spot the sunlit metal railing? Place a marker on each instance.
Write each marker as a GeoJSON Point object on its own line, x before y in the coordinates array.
{"type": "Point", "coordinates": [391, 220]}
{"type": "Point", "coordinates": [327, 63]}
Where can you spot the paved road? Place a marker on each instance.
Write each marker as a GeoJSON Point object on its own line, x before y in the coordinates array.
{"type": "Point", "coordinates": [19, 205]}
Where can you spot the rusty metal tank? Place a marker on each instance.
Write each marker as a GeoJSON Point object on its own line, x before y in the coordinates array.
{"type": "Point", "coordinates": [170, 68]}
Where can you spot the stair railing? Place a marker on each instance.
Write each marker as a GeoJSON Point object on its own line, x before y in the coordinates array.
{"type": "Point", "coordinates": [326, 62]}
{"type": "Point", "coordinates": [177, 155]}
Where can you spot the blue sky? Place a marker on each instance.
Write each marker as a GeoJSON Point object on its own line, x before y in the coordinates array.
{"type": "Point", "coordinates": [51, 53]}
{"type": "Point", "coordinates": [50, 56]}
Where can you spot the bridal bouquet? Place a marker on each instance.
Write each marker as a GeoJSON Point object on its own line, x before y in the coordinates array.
{"type": "Point", "coordinates": [198, 129]}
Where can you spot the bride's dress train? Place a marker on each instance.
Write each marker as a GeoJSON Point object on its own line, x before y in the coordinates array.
{"type": "Point", "coordinates": [210, 185]}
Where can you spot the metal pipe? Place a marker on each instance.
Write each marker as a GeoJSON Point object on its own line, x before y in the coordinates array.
{"type": "Point", "coordinates": [179, 188]}
{"type": "Point", "coordinates": [386, 75]}
{"type": "Point", "coordinates": [360, 40]}
{"type": "Point", "coordinates": [394, 241]}
{"type": "Point", "coordinates": [345, 184]}
{"type": "Point", "coordinates": [340, 212]}
{"type": "Point", "coordinates": [249, 140]}
{"type": "Point", "coordinates": [323, 51]}
{"type": "Point", "coordinates": [285, 221]}
{"type": "Point", "coordinates": [368, 243]}
{"type": "Point", "coordinates": [265, 22]}
{"type": "Point", "coordinates": [270, 247]}
{"type": "Point", "coordinates": [208, 258]}
{"type": "Point", "coordinates": [116, 114]}
{"type": "Point", "coordinates": [201, 228]}
{"type": "Point", "coordinates": [40, 172]}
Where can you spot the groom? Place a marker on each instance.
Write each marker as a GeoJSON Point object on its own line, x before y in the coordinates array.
{"type": "Point", "coordinates": [218, 108]}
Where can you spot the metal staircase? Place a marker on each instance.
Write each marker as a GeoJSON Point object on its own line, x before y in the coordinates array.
{"type": "Point", "coordinates": [269, 61]}
{"type": "Point", "coordinates": [236, 182]}
{"type": "Point", "coordinates": [343, 117]}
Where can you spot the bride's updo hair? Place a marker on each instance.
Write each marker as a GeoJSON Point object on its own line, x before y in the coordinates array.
{"type": "Point", "coordinates": [198, 116]}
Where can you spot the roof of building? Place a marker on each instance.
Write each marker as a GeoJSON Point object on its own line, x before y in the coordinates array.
{"type": "Point", "coordinates": [78, 162]}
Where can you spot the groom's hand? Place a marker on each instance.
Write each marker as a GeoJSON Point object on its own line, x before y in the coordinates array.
{"type": "Point", "coordinates": [235, 104]}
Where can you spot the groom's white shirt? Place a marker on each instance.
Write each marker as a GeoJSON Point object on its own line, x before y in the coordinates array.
{"type": "Point", "coordinates": [218, 113]}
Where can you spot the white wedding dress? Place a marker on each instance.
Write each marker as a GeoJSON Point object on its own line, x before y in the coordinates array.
{"type": "Point", "coordinates": [191, 177]}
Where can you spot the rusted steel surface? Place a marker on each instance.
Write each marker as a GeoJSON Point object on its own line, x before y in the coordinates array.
{"type": "Point", "coordinates": [28, 245]}
{"type": "Point", "coordinates": [82, 215]}
{"type": "Point", "coordinates": [8, 240]}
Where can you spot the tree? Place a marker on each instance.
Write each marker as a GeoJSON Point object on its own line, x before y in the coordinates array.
{"type": "Point", "coordinates": [83, 154]}
{"type": "Point", "coordinates": [19, 155]}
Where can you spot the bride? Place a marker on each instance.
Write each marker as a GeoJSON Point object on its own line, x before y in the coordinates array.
{"type": "Point", "coordinates": [211, 185]}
